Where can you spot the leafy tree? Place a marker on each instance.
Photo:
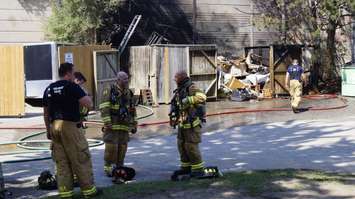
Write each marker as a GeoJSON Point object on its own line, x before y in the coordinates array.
{"type": "Point", "coordinates": [311, 22]}
{"type": "Point", "coordinates": [77, 21]}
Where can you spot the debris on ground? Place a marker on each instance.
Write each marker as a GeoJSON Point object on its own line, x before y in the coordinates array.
{"type": "Point", "coordinates": [243, 78]}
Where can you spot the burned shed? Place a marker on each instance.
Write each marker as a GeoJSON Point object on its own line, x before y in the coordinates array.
{"type": "Point", "coordinates": [154, 67]}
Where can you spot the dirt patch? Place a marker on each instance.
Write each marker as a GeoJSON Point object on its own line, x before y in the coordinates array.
{"type": "Point", "coordinates": [283, 189]}
{"type": "Point", "coordinates": [209, 193]}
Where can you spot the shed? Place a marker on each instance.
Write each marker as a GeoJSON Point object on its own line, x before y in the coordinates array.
{"type": "Point", "coordinates": [82, 58]}
{"type": "Point", "coordinates": [348, 80]}
{"type": "Point", "coordinates": [154, 67]}
{"type": "Point", "coordinates": [277, 58]}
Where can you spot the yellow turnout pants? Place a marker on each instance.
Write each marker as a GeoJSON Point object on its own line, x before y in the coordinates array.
{"type": "Point", "coordinates": [71, 155]}
{"type": "Point", "coordinates": [296, 93]}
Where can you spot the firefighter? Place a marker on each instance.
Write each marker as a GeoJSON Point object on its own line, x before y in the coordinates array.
{"type": "Point", "coordinates": [294, 78]}
{"type": "Point", "coordinates": [80, 80]}
{"type": "Point", "coordinates": [119, 115]}
{"type": "Point", "coordinates": [188, 113]}
{"type": "Point", "coordinates": [70, 150]}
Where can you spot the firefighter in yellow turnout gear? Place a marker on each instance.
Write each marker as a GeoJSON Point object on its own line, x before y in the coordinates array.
{"type": "Point", "coordinates": [61, 101]}
{"type": "Point", "coordinates": [119, 115]}
{"type": "Point", "coordinates": [294, 79]}
{"type": "Point", "coordinates": [186, 114]}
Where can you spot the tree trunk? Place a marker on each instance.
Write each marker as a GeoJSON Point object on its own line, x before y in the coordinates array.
{"type": "Point", "coordinates": [331, 51]}
{"type": "Point", "coordinates": [317, 49]}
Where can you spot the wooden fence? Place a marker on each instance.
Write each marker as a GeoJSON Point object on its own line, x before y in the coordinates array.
{"type": "Point", "coordinates": [154, 67]}
{"type": "Point", "coordinates": [12, 82]}
{"type": "Point", "coordinates": [82, 58]}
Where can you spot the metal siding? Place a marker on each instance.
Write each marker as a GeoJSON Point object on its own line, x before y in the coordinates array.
{"type": "Point", "coordinates": [21, 37]}
{"type": "Point", "coordinates": [227, 23]}
{"type": "Point", "coordinates": [21, 14]}
{"type": "Point", "coordinates": [21, 26]}
{"type": "Point", "coordinates": [23, 20]}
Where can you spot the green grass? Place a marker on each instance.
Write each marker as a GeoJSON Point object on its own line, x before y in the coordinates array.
{"type": "Point", "coordinates": [252, 183]}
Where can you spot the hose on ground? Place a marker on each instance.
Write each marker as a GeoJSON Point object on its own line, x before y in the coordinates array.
{"type": "Point", "coordinates": [239, 111]}
{"type": "Point", "coordinates": [24, 140]}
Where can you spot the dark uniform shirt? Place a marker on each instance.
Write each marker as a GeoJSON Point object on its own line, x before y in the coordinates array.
{"type": "Point", "coordinates": [295, 72]}
{"type": "Point", "coordinates": [62, 99]}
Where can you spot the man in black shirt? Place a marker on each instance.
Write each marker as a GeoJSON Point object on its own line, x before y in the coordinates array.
{"type": "Point", "coordinates": [61, 101]}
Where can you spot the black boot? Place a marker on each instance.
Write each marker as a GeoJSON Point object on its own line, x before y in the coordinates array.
{"type": "Point", "coordinates": [98, 192]}
{"type": "Point", "coordinates": [197, 173]}
{"type": "Point", "coordinates": [184, 171]}
{"type": "Point", "coordinates": [207, 172]}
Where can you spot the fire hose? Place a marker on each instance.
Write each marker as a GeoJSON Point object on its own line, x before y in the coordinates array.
{"type": "Point", "coordinates": [239, 111]}
{"type": "Point", "coordinates": [23, 141]}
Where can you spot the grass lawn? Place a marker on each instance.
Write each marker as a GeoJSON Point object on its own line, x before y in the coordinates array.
{"type": "Point", "coordinates": [250, 184]}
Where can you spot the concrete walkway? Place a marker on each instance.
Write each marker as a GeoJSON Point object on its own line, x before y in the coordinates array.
{"type": "Point", "coordinates": [309, 144]}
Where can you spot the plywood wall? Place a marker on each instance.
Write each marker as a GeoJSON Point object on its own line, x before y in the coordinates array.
{"type": "Point", "coordinates": [83, 61]}
{"type": "Point", "coordinates": [12, 86]}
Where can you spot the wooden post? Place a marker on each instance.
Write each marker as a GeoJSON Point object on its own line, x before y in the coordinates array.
{"type": "Point", "coordinates": [353, 41]}
{"type": "Point", "coordinates": [251, 22]}
{"type": "Point", "coordinates": [194, 20]}
{"type": "Point", "coordinates": [272, 69]}
{"type": "Point", "coordinates": [154, 74]}
{"type": "Point", "coordinates": [166, 90]}
{"type": "Point", "coordinates": [2, 183]}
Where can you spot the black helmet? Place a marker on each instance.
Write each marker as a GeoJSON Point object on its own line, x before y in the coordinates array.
{"type": "Point", "coordinates": [122, 174]}
{"type": "Point", "coordinates": [47, 181]}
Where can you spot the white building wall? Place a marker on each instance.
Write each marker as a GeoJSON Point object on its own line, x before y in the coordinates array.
{"type": "Point", "coordinates": [22, 21]}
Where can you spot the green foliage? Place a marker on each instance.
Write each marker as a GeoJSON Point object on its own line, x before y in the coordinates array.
{"type": "Point", "coordinates": [305, 19]}
{"type": "Point", "coordinates": [76, 21]}
{"type": "Point", "coordinates": [310, 22]}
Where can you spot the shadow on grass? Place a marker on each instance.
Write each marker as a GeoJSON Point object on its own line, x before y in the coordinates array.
{"type": "Point", "coordinates": [251, 184]}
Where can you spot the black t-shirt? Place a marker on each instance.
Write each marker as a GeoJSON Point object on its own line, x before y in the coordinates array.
{"type": "Point", "coordinates": [62, 99]}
